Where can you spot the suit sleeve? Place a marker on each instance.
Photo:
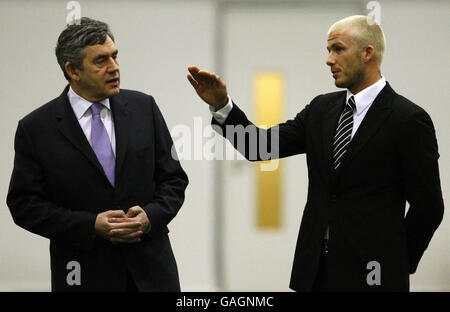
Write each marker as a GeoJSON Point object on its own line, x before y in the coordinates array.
{"type": "Point", "coordinates": [170, 178]}
{"type": "Point", "coordinates": [255, 144]}
{"type": "Point", "coordinates": [30, 203]}
{"type": "Point", "coordinates": [419, 158]}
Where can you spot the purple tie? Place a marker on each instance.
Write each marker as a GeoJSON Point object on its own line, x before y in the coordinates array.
{"type": "Point", "coordinates": [101, 143]}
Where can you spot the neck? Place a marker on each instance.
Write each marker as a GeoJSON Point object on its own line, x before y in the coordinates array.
{"type": "Point", "coordinates": [83, 94]}
{"type": "Point", "coordinates": [369, 79]}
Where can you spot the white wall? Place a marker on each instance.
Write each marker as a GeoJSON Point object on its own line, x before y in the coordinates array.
{"type": "Point", "coordinates": [157, 40]}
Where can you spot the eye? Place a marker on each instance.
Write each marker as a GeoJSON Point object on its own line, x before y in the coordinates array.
{"type": "Point", "coordinates": [100, 61]}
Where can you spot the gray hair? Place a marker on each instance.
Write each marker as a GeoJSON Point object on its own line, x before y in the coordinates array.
{"type": "Point", "coordinates": [73, 39]}
{"type": "Point", "coordinates": [365, 31]}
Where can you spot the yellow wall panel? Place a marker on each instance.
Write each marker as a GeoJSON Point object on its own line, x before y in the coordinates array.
{"type": "Point", "coordinates": [269, 102]}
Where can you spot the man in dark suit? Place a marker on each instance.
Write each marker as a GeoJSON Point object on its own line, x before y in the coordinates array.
{"type": "Point", "coordinates": [368, 150]}
{"type": "Point", "coordinates": [93, 172]}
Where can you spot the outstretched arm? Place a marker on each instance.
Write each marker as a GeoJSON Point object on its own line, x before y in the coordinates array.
{"type": "Point", "coordinates": [252, 142]}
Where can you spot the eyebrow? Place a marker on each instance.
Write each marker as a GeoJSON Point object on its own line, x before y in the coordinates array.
{"type": "Point", "coordinates": [336, 44]}
{"type": "Point", "coordinates": [100, 56]}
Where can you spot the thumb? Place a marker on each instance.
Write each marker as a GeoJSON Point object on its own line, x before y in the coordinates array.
{"type": "Point", "coordinates": [193, 82]}
{"type": "Point", "coordinates": [133, 211]}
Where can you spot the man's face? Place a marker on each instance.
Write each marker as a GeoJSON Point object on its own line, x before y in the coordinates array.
{"type": "Point", "coordinates": [344, 60]}
{"type": "Point", "coordinates": [100, 76]}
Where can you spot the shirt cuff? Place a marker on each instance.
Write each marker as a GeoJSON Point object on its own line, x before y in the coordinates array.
{"type": "Point", "coordinates": [221, 115]}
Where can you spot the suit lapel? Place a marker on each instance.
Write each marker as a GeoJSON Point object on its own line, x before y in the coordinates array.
{"type": "Point", "coordinates": [372, 122]}
{"type": "Point", "coordinates": [329, 128]}
{"type": "Point", "coordinates": [122, 124]}
{"type": "Point", "coordinates": [69, 127]}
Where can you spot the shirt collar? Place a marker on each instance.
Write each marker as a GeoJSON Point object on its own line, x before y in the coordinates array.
{"type": "Point", "coordinates": [366, 97]}
{"type": "Point", "coordinates": [80, 105]}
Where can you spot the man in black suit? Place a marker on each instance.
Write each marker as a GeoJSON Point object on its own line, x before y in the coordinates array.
{"type": "Point", "coordinates": [93, 172]}
{"type": "Point", "coordinates": [368, 150]}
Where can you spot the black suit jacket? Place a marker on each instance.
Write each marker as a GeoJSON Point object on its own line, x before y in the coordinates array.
{"type": "Point", "coordinates": [58, 187]}
{"type": "Point", "coordinates": [393, 158]}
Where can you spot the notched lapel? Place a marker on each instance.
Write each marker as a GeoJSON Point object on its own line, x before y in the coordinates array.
{"type": "Point", "coordinates": [69, 127]}
{"type": "Point", "coordinates": [122, 124]}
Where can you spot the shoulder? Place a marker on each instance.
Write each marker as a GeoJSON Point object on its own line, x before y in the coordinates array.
{"type": "Point", "coordinates": [140, 103]}
{"type": "Point", "coordinates": [43, 114]}
{"type": "Point", "coordinates": [135, 97]}
{"type": "Point", "coordinates": [407, 111]}
{"type": "Point", "coordinates": [137, 100]}
{"type": "Point", "coordinates": [405, 106]}
{"type": "Point", "coordinates": [410, 117]}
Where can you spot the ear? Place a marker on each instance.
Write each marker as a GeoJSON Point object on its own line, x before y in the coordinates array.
{"type": "Point", "coordinates": [72, 71]}
{"type": "Point", "coordinates": [368, 54]}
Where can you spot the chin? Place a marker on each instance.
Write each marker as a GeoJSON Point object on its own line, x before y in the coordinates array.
{"type": "Point", "coordinates": [340, 84]}
{"type": "Point", "coordinates": [113, 91]}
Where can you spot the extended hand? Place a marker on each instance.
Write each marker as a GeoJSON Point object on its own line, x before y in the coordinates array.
{"type": "Point", "coordinates": [209, 87]}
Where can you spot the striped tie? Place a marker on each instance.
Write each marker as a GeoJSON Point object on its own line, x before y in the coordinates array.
{"type": "Point", "coordinates": [343, 134]}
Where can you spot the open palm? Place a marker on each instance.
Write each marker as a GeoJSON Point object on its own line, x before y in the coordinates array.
{"type": "Point", "coordinates": [208, 86]}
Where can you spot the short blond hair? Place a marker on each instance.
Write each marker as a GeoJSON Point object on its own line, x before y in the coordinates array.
{"type": "Point", "coordinates": [365, 32]}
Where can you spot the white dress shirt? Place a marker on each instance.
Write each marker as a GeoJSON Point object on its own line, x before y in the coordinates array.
{"type": "Point", "coordinates": [363, 100]}
{"type": "Point", "coordinates": [81, 108]}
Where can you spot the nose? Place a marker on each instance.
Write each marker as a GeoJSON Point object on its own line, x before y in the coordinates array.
{"type": "Point", "coordinates": [330, 59]}
{"type": "Point", "coordinates": [113, 65]}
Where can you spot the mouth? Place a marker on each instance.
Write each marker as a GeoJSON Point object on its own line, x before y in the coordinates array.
{"type": "Point", "coordinates": [335, 73]}
{"type": "Point", "coordinates": [113, 82]}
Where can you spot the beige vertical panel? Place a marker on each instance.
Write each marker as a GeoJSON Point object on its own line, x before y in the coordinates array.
{"type": "Point", "coordinates": [269, 99]}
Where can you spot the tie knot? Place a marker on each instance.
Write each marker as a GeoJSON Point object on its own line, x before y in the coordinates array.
{"type": "Point", "coordinates": [351, 103]}
{"type": "Point", "coordinates": [96, 108]}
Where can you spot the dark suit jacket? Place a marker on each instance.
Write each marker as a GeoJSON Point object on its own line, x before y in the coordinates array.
{"type": "Point", "coordinates": [393, 158]}
{"type": "Point", "coordinates": [58, 187]}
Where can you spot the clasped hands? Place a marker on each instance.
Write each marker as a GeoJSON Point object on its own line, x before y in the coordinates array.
{"type": "Point", "coordinates": [118, 227]}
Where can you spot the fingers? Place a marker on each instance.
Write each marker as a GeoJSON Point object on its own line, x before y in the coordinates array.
{"type": "Point", "coordinates": [193, 82]}
{"type": "Point", "coordinates": [206, 76]}
{"type": "Point", "coordinates": [124, 223]}
{"type": "Point", "coordinates": [193, 70]}
{"type": "Point", "coordinates": [125, 236]}
{"type": "Point", "coordinates": [118, 220]}
{"type": "Point", "coordinates": [193, 76]}
{"type": "Point", "coordinates": [115, 213]}
{"type": "Point", "coordinates": [125, 233]}
{"type": "Point", "coordinates": [198, 75]}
